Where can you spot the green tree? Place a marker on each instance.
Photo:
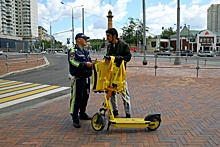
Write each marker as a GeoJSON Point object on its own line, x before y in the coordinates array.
{"type": "Point", "coordinates": [96, 44]}
{"type": "Point", "coordinates": [167, 33]}
{"type": "Point", "coordinates": [133, 32]}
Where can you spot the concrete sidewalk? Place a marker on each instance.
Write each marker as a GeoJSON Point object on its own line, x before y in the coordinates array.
{"type": "Point", "coordinates": [189, 106]}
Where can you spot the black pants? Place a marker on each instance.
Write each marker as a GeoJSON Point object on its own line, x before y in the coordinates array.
{"type": "Point", "coordinates": [79, 97]}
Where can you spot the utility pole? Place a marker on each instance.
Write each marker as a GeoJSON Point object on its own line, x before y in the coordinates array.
{"type": "Point", "coordinates": [83, 20]}
{"type": "Point", "coordinates": [144, 36]}
{"type": "Point", "coordinates": [72, 19]}
{"type": "Point", "coordinates": [51, 30]}
{"type": "Point", "coordinates": [177, 59]}
{"type": "Point", "coordinates": [188, 38]}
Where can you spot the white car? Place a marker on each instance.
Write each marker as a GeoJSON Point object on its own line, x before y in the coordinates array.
{"type": "Point", "coordinates": [43, 52]}
{"type": "Point", "coordinates": [206, 54]}
{"type": "Point", "coordinates": [1, 52]}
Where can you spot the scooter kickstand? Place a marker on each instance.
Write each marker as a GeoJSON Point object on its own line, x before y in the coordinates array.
{"type": "Point", "coordinates": [109, 123]}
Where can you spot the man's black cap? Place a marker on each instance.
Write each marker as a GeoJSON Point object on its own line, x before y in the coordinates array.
{"type": "Point", "coordinates": [81, 35]}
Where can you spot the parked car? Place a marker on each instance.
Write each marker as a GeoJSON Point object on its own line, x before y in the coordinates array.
{"type": "Point", "coordinates": [1, 52]}
{"type": "Point", "coordinates": [206, 54]}
{"type": "Point", "coordinates": [43, 52]}
{"type": "Point", "coordinates": [164, 53]}
{"type": "Point", "coordinates": [186, 53]}
{"type": "Point", "coordinates": [169, 48]}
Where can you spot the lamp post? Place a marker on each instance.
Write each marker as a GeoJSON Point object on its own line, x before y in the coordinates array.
{"type": "Point", "coordinates": [144, 36]}
{"type": "Point", "coordinates": [50, 30]}
{"type": "Point", "coordinates": [177, 59]}
{"type": "Point", "coordinates": [72, 19]}
{"type": "Point", "coordinates": [188, 38]}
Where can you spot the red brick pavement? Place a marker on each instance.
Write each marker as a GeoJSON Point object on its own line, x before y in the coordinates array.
{"type": "Point", "coordinates": [189, 106]}
{"type": "Point", "coordinates": [19, 63]}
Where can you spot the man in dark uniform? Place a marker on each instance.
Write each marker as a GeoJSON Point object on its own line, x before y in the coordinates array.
{"type": "Point", "coordinates": [80, 69]}
{"type": "Point", "coordinates": [119, 48]}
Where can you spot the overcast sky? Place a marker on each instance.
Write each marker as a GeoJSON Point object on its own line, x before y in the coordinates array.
{"type": "Point", "coordinates": [159, 13]}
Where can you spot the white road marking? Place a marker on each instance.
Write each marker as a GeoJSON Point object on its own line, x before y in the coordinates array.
{"type": "Point", "coordinates": [28, 98]}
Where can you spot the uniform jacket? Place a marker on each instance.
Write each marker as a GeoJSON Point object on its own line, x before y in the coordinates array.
{"type": "Point", "coordinates": [77, 62]}
{"type": "Point", "coordinates": [119, 49]}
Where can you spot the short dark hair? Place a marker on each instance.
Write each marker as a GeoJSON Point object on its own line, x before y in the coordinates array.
{"type": "Point", "coordinates": [112, 31]}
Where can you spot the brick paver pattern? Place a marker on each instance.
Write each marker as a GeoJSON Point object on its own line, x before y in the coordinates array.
{"type": "Point", "coordinates": [16, 64]}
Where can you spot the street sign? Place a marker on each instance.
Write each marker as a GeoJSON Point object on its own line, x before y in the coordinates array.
{"type": "Point", "coordinates": [36, 42]}
{"type": "Point", "coordinates": [68, 41]}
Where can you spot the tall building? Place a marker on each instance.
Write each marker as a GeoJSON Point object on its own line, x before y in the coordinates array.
{"type": "Point", "coordinates": [19, 19]}
{"type": "Point", "coordinates": [213, 18]}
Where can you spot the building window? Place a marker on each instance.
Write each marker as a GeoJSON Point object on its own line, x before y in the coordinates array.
{"type": "Point", "coordinates": [200, 40]}
{"type": "Point", "coordinates": [153, 43]}
{"type": "Point", "coordinates": [192, 40]}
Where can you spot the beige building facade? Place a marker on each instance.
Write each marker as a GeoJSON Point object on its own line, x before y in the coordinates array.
{"type": "Point", "coordinates": [213, 18]}
{"type": "Point", "coordinates": [19, 19]}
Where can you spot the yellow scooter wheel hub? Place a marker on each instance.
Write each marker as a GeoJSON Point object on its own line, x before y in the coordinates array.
{"type": "Point", "coordinates": [98, 122]}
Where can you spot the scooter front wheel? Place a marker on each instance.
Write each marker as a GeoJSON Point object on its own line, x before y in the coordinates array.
{"type": "Point", "coordinates": [98, 122]}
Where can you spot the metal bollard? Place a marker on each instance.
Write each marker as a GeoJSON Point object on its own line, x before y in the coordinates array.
{"type": "Point", "coordinates": [186, 60]}
{"type": "Point", "coordinates": [197, 67]}
{"type": "Point", "coordinates": [26, 60]}
{"type": "Point", "coordinates": [6, 63]}
{"type": "Point", "coordinates": [155, 66]}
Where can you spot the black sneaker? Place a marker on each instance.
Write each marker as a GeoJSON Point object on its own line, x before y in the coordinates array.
{"type": "Point", "coordinates": [115, 113]}
{"type": "Point", "coordinates": [77, 124]}
{"type": "Point", "coordinates": [128, 115]}
{"type": "Point", "coordinates": [85, 117]}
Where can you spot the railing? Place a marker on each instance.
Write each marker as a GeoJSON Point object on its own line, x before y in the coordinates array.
{"type": "Point", "coordinates": [187, 62]}
{"type": "Point", "coordinates": [23, 60]}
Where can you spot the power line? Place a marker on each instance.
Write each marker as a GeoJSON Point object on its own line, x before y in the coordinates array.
{"type": "Point", "coordinates": [97, 5]}
{"type": "Point", "coordinates": [101, 17]}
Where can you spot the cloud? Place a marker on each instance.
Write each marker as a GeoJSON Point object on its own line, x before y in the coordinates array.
{"type": "Point", "coordinates": [120, 8]}
{"type": "Point", "coordinates": [157, 15]}
{"type": "Point", "coordinates": [195, 2]}
{"type": "Point", "coordinates": [165, 15]}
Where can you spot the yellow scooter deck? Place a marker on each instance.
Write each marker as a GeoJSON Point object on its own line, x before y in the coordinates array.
{"type": "Point", "coordinates": [130, 122]}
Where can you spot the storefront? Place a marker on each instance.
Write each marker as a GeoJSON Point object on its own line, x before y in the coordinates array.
{"type": "Point", "coordinates": [206, 40]}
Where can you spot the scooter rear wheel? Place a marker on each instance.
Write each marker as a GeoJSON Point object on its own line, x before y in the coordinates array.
{"type": "Point", "coordinates": [98, 122]}
{"type": "Point", "coordinates": [156, 121]}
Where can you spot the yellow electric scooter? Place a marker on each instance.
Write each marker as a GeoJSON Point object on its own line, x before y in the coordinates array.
{"type": "Point", "coordinates": [151, 121]}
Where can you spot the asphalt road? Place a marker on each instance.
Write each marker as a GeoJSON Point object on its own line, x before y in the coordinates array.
{"type": "Point", "coordinates": [54, 74]}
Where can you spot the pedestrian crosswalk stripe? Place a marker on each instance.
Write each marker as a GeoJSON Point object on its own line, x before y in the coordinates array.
{"type": "Point", "coordinates": [25, 89]}
{"type": "Point", "coordinates": [14, 86]}
{"type": "Point", "coordinates": [28, 98]}
{"type": "Point", "coordinates": [18, 88]}
{"type": "Point", "coordinates": [14, 92]}
{"type": "Point", "coordinates": [1, 81]}
{"type": "Point", "coordinates": [2, 100]}
{"type": "Point", "coordinates": [9, 83]}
